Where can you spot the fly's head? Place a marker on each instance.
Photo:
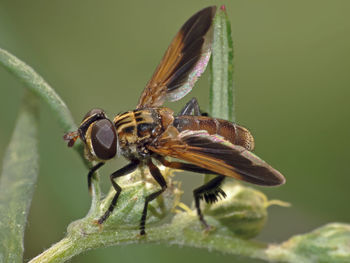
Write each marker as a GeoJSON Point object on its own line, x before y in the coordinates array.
{"type": "Point", "coordinates": [98, 134]}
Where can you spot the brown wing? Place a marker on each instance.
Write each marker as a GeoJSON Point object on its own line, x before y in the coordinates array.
{"type": "Point", "coordinates": [214, 153]}
{"type": "Point", "coordinates": [183, 62]}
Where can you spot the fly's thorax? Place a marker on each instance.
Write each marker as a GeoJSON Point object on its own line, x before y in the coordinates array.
{"type": "Point", "coordinates": [135, 128]}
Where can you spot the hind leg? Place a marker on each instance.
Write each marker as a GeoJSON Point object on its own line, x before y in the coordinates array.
{"type": "Point", "coordinates": [191, 108]}
{"type": "Point", "coordinates": [210, 192]}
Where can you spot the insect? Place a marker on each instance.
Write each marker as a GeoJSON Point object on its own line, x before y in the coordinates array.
{"type": "Point", "coordinates": [205, 144]}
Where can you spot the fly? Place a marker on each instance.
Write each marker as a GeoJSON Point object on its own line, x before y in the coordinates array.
{"type": "Point", "coordinates": [207, 145]}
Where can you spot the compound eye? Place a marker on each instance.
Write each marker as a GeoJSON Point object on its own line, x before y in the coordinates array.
{"type": "Point", "coordinates": [94, 112]}
{"type": "Point", "coordinates": [104, 139]}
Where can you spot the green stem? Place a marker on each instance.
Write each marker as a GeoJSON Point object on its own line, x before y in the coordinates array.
{"type": "Point", "coordinates": [35, 83]}
{"type": "Point", "coordinates": [185, 230]}
{"type": "Point", "coordinates": [39, 86]}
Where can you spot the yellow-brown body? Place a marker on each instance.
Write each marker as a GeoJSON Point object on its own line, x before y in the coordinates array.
{"type": "Point", "coordinates": [138, 128]}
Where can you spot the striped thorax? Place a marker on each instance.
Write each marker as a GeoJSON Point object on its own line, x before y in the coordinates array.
{"type": "Point", "coordinates": [136, 128]}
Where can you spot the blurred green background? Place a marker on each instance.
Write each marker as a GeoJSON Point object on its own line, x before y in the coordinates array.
{"type": "Point", "coordinates": [292, 61]}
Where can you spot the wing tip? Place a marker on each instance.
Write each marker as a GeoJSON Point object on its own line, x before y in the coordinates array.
{"type": "Point", "coordinates": [211, 9]}
{"type": "Point", "coordinates": [278, 179]}
{"type": "Point", "coordinates": [282, 179]}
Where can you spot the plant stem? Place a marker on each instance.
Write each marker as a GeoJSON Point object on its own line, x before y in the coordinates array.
{"type": "Point", "coordinates": [185, 230]}
{"type": "Point", "coordinates": [35, 83]}
{"type": "Point", "coordinates": [39, 86]}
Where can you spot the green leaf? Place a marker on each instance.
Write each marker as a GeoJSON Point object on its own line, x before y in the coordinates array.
{"type": "Point", "coordinates": [35, 83]}
{"type": "Point", "coordinates": [39, 86]}
{"type": "Point", "coordinates": [221, 95]}
{"type": "Point", "coordinates": [329, 243]}
{"type": "Point", "coordinates": [221, 86]}
{"type": "Point", "coordinates": [19, 174]}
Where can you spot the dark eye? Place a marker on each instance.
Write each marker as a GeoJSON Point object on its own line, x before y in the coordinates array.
{"type": "Point", "coordinates": [94, 112]}
{"type": "Point", "coordinates": [104, 139]}
{"type": "Point", "coordinates": [90, 117]}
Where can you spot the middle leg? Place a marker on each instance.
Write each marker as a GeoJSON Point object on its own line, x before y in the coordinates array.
{"type": "Point", "coordinates": [91, 174]}
{"type": "Point", "coordinates": [161, 181]}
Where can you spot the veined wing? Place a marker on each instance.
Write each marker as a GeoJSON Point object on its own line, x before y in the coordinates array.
{"type": "Point", "coordinates": [214, 153]}
{"type": "Point", "coordinates": [184, 61]}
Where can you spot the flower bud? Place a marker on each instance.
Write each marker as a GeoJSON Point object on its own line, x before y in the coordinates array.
{"type": "Point", "coordinates": [243, 211]}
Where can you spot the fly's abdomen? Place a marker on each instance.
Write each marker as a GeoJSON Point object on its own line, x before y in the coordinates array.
{"type": "Point", "coordinates": [232, 132]}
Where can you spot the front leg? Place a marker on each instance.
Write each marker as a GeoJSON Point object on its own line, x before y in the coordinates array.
{"type": "Point", "coordinates": [91, 173]}
{"type": "Point", "coordinates": [121, 172]}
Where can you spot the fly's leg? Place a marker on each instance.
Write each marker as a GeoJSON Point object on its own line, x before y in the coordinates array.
{"type": "Point", "coordinates": [191, 107]}
{"type": "Point", "coordinates": [161, 181]}
{"type": "Point", "coordinates": [210, 192]}
{"type": "Point", "coordinates": [91, 173]}
{"type": "Point", "coordinates": [121, 172]}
